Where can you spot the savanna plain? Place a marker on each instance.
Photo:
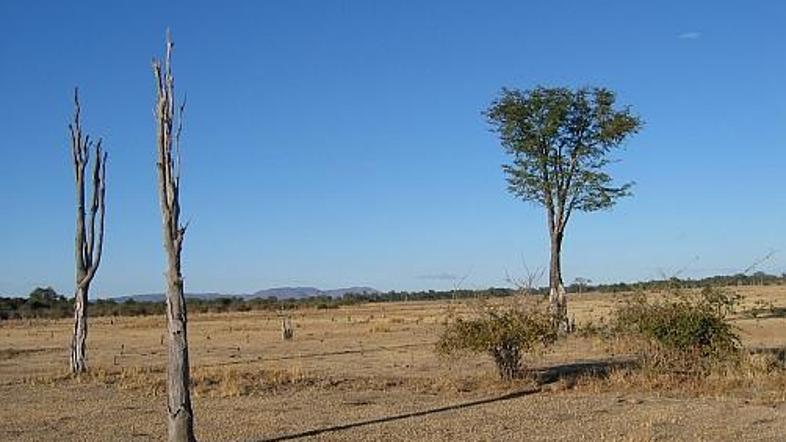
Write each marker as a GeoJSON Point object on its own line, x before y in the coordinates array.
{"type": "Point", "coordinates": [370, 372]}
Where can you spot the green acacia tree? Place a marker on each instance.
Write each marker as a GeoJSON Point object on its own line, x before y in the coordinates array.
{"type": "Point", "coordinates": [560, 141]}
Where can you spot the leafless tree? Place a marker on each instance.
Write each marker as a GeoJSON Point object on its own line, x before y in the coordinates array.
{"type": "Point", "coordinates": [287, 332]}
{"type": "Point", "coordinates": [528, 283]}
{"type": "Point", "coordinates": [759, 261]}
{"type": "Point", "coordinates": [89, 229]}
{"type": "Point", "coordinates": [169, 122]}
{"type": "Point", "coordinates": [458, 283]}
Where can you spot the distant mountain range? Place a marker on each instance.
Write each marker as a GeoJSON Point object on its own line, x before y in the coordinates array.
{"type": "Point", "coordinates": [278, 292]}
{"type": "Point", "coordinates": [308, 292]}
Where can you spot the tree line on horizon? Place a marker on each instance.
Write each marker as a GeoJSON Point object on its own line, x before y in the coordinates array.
{"type": "Point", "coordinates": [46, 303]}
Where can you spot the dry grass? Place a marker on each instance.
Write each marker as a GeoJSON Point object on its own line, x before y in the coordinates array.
{"type": "Point", "coordinates": [758, 379]}
{"type": "Point", "coordinates": [373, 340]}
{"type": "Point", "coordinates": [369, 351]}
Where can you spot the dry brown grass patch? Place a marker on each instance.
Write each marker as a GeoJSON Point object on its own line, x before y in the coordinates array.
{"type": "Point", "coordinates": [380, 328]}
{"type": "Point", "coordinates": [758, 378]}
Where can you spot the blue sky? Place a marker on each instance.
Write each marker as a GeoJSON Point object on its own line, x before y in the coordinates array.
{"type": "Point", "coordinates": [336, 143]}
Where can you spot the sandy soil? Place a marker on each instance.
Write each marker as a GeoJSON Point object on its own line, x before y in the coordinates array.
{"type": "Point", "coordinates": [361, 373]}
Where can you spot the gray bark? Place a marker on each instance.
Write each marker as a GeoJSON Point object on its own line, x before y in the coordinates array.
{"type": "Point", "coordinates": [287, 332]}
{"type": "Point", "coordinates": [79, 337]}
{"type": "Point", "coordinates": [558, 301]}
{"type": "Point", "coordinates": [89, 237]}
{"type": "Point", "coordinates": [180, 413]}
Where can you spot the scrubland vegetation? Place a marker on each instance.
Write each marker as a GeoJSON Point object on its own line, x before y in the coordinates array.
{"type": "Point", "coordinates": [663, 364]}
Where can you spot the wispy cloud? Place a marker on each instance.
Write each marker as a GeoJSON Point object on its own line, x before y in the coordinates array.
{"type": "Point", "coordinates": [689, 36]}
{"type": "Point", "coordinates": [444, 276]}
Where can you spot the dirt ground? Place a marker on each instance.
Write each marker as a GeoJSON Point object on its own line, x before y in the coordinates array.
{"type": "Point", "coordinates": [365, 372]}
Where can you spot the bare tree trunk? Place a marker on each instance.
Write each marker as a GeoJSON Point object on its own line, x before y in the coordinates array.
{"type": "Point", "coordinates": [558, 302]}
{"type": "Point", "coordinates": [78, 347]}
{"type": "Point", "coordinates": [180, 414]}
{"type": "Point", "coordinates": [287, 332]}
{"type": "Point", "coordinates": [89, 237]}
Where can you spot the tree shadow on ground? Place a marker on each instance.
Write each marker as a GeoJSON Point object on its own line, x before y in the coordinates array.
{"type": "Point", "coordinates": [396, 417]}
{"type": "Point", "coordinates": [599, 368]}
{"type": "Point", "coordinates": [546, 375]}
{"type": "Point", "coordinates": [764, 313]}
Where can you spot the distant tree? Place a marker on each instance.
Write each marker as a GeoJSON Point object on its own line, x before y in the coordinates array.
{"type": "Point", "coordinates": [560, 141]}
{"type": "Point", "coordinates": [45, 296]}
{"type": "Point", "coordinates": [169, 121]}
{"type": "Point", "coordinates": [89, 229]}
{"type": "Point", "coordinates": [581, 282]}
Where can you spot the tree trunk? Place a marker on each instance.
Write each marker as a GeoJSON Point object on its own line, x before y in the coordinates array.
{"type": "Point", "coordinates": [178, 389]}
{"type": "Point", "coordinates": [78, 350]}
{"type": "Point", "coordinates": [287, 332]}
{"type": "Point", "coordinates": [558, 302]}
{"type": "Point", "coordinates": [507, 357]}
{"type": "Point", "coordinates": [180, 414]}
{"type": "Point", "coordinates": [89, 236]}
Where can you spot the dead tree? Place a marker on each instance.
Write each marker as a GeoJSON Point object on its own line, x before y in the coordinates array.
{"type": "Point", "coordinates": [180, 413]}
{"type": "Point", "coordinates": [89, 229]}
{"type": "Point", "coordinates": [287, 332]}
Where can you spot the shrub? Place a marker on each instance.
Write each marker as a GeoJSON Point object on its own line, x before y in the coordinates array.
{"type": "Point", "coordinates": [504, 335]}
{"type": "Point", "coordinates": [687, 330]}
{"type": "Point", "coordinates": [324, 305]}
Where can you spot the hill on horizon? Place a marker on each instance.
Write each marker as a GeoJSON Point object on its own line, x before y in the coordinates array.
{"type": "Point", "coordinates": [278, 292]}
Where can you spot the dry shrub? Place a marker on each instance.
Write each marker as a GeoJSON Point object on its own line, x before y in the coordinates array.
{"type": "Point", "coordinates": [758, 378]}
{"type": "Point", "coordinates": [685, 332]}
{"type": "Point", "coordinates": [231, 382]}
{"type": "Point", "coordinates": [503, 333]}
{"type": "Point", "coordinates": [687, 346]}
{"type": "Point", "coordinates": [146, 379]}
{"type": "Point", "coordinates": [592, 329]}
{"type": "Point", "coordinates": [221, 382]}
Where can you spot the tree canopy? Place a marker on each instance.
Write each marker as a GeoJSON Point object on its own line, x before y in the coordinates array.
{"type": "Point", "coordinates": [560, 140]}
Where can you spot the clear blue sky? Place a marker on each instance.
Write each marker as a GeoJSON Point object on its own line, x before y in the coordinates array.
{"type": "Point", "coordinates": [336, 143]}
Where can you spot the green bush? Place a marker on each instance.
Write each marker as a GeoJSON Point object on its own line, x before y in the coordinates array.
{"type": "Point", "coordinates": [504, 335]}
{"type": "Point", "coordinates": [324, 305]}
{"type": "Point", "coordinates": [687, 330]}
